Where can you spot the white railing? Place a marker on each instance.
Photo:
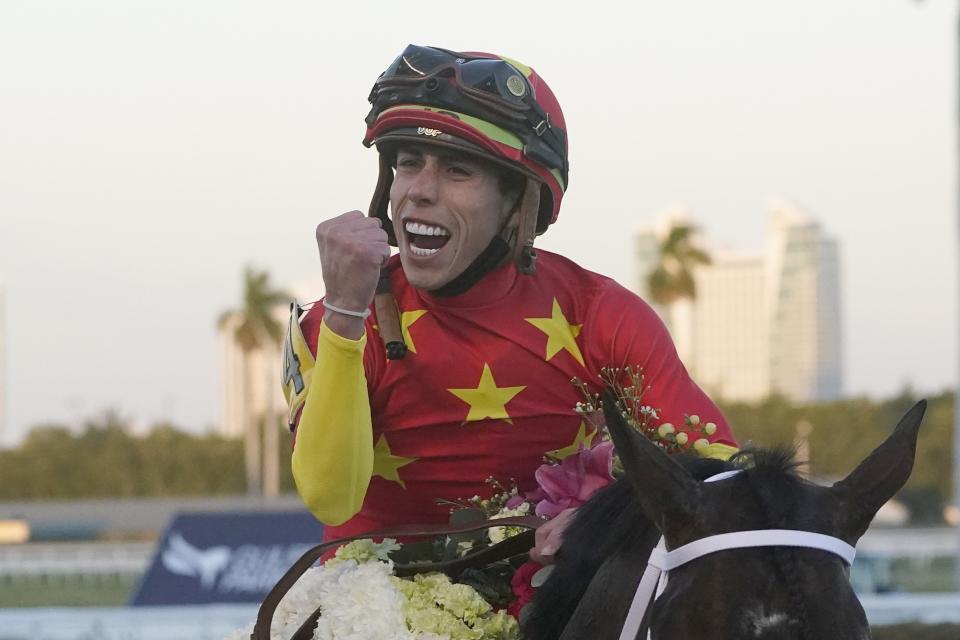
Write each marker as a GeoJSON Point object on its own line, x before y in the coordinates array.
{"type": "Point", "coordinates": [75, 558]}
{"type": "Point", "coordinates": [910, 542]}
{"type": "Point", "coordinates": [212, 622]}
{"type": "Point", "coordinates": [927, 608]}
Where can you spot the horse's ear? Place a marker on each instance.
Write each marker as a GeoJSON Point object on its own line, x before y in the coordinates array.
{"type": "Point", "coordinates": [668, 494]}
{"type": "Point", "coordinates": [881, 475]}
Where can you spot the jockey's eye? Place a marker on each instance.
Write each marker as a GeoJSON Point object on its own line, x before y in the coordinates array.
{"type": "Point", "coordinates": [408, 160]}
{"type": "Point", "coordinates": [460, 170]}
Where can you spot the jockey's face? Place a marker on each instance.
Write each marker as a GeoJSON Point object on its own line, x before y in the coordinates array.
{"type": "Point", "coordinates": [447, 206]}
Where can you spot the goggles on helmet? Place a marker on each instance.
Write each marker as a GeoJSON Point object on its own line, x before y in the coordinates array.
{"type": "Point", "coordinates": [491, 89]}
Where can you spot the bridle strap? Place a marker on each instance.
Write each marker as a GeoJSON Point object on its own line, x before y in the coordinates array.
{"type": "Point", "coordinates": [642, 597]}
{"type": "Point", "coordinates": [667, 560]}
{"type": "Point", "coordinates": [662, 561]}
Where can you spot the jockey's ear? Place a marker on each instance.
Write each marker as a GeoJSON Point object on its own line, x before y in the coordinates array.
{"type": "Point", "coordinates": [880, 476]}
{"type": "Point", "coordinates": [667, 492]}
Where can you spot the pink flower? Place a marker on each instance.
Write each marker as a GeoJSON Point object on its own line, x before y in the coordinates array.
{"type": "Point", "coordinates": [515, 501]}
{"type": "Point", "coordinates": [573, 481]}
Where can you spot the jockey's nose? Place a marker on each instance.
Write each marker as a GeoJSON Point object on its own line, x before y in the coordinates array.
{"type": "Point", "coordinates": [424, 186]}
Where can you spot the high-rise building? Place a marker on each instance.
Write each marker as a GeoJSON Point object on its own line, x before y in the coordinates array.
{"type": "Point", "coordinates": [729, 354]}
{"type": "Point", "coordinates": [803, 307]}
{"type": "Point", "coordinates": [761, 324]}
{"type": "Point", "coordinates": [252, 402]}
{"type": "Point", "coordinates": [250, 383]}
{"type": "Point", "coordinates": [250, 380]}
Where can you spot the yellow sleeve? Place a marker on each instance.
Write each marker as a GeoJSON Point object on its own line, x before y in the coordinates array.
{"type": "Point", "coordinates": [333, 454]}
{"type": "Point", "coordinates": [717, 450]}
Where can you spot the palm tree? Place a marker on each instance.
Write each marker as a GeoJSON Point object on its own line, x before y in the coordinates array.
{"type": "Point", "coordinates": [258, 330]}
{"type": "Point", "coordinates": [672, 279]}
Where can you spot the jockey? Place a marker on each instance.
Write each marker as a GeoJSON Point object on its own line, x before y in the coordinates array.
{"type": "Point", "coordinates": [423, 374]}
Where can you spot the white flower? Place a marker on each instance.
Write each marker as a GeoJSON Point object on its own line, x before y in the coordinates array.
{"type": "Point", "coordinates": [358, 603]}
{"type": "Point", "coordinates": [499, 534]}
{"type": "Point", "coordinates": [584, 408]}
{"type": "Point", "coordinates": [362, 605]}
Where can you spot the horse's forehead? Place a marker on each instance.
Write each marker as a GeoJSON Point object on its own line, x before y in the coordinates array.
{"type": "Point", "coordinates": [806, 501]}
{"type": "Point", "coordinates": [761, 621]}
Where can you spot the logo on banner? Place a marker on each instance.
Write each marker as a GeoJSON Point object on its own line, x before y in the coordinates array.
{"type": "Point", "coordinates": [183, 559]}
{"type": "Point", "coordinates": [207, 558]}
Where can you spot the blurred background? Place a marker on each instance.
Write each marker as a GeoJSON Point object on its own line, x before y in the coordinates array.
{"type": "Point", "coordinates": [778, 178]}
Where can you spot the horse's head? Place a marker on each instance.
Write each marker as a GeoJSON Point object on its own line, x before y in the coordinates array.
{"type": "Point", "coordinates": [772, 592]}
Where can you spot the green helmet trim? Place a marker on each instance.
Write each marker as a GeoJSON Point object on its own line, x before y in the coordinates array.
{"type": "Point", "coordinates": [490, 130]}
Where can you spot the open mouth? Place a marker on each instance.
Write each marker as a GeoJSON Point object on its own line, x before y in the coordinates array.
{"type": "Point", "coordinates": [425, 239]}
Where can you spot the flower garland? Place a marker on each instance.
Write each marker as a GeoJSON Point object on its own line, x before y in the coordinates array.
{"type": "Point", "coordinates": [628, 386]}
{"type": "Point", "coordinates": [361, 599]}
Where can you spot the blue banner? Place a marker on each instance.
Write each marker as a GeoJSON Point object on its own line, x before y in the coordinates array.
{"type": "Point", "coordinates": [207, 558]}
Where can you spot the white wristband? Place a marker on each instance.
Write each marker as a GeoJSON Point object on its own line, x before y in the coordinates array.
{"type": "Point", "coordinates": [346, 312]}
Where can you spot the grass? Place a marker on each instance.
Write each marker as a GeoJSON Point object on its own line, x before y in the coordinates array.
{"type": "Point", "coordinates": [920, 575]}
{"type": "Point", "coordinates": [78, 590]}
{"type": "Point", "coordinates": [917, 631]}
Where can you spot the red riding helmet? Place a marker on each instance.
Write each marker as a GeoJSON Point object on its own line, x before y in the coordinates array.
{"type": "Point", "coordinates": [486, 104]}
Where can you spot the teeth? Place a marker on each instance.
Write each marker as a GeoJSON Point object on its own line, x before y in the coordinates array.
{"type": "Point", "coordinates": [424, 230]}
{"type": "Point", "coordinates": [417, 251]}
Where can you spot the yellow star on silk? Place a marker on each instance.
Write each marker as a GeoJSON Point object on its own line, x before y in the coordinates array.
{"type": "Point", "coordinates": [487, 400]}
{"type": "Point", "coordinates": [583, 438]}
{"type": "Point", "coordinates": [560, 333]}
{"type": "Point", "coordinates": [407, 318]}
{"type": "Point", "coordinates": [385, 464]}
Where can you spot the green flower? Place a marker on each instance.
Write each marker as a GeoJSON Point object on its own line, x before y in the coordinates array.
{"type": "Point", "coordinates": [665, 429]}
{"type": "Point", "coordinates": [440, 622]}
{"type": "Point", "coordinates": [364, 550]}
{"type": "Point", "coordinates": [436, 605]}
{"type": "Point", "coordinates": [499, 626]}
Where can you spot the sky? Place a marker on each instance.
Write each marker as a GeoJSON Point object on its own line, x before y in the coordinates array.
{"type": "Point", "coordinates": [150, 150]}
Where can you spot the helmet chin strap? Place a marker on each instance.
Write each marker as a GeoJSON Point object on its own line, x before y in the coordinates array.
{"type": "Point", "coordinates": [514, 239]}
{"type": "Point", "coordinates": [524, 255]}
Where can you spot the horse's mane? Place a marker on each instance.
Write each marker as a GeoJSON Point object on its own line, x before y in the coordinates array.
{"type": "Point", "coordinates": [772, 478]}
{"type": "Point", "coordinates": [777, 460]}
{"type": "Point", "coordinates": [613, 522]}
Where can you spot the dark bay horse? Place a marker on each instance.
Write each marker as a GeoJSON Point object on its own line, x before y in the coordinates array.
{"type": "Point", "coordinates": [755, 593]}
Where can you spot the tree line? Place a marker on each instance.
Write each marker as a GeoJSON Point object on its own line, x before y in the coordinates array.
{"type": "Point", "coordinates": [843, 432]}
{"type": "Point", "coordinates": [103, 459]}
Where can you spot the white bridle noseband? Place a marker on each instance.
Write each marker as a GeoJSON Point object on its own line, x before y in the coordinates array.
{"type": "Point", "coordinates": [662, 561]}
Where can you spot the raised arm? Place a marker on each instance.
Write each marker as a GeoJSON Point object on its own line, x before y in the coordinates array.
{"type": "Point", "coordinates": [333, 435]}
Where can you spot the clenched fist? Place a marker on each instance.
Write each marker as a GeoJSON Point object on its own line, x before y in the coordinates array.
{"type": "Point", "coordinates": [352, 248]}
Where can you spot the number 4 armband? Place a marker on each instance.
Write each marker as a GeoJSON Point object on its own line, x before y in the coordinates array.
{"type": "Point", "coordinates": [298, 364]}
